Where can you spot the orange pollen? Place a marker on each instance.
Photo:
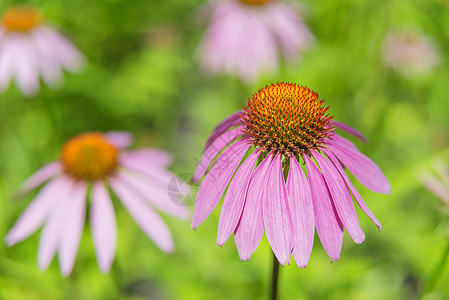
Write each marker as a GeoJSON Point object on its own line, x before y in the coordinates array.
{"type": "Point", "coordinates": [286, 118]}
{"type": "Point", "coordinates": [23, 19]}
{"type": "Point", "coordinates": [89, 157]}
{"type": "Point", "coordinates": [255, 2]}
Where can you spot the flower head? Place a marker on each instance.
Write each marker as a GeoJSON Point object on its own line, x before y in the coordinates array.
{"type": "Point", "coordinates": [262, 155]}
{"type": "Point", "coordinates": [245, 37]}
{"type": "Point", "coordinates": [30, 49]}
{"type": "Point", "coordinates": [139, 178]}
{"type": "Point", "coordinates": [410, 54]}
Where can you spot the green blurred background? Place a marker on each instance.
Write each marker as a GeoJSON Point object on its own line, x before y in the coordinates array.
{"type": "Point", "coordinates": [143, 76]}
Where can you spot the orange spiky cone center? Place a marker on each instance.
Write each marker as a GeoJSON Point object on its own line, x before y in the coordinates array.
{"type": "Point", "coordinates": [286, 118]}
{"type": "Point", "coordinates": [89, 157]}
{"type": "Point", "coordinates": [255, 2]}
{"type": "Point", "coordinates": [22, 19]}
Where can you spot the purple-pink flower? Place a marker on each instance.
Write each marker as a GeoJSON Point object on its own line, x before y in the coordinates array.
{"type": "Point", "coordinates": [94, 160]}
{"type": "Point", "coordinates": [282, 167]}
{"type": "Point", "coordinates": [245, 37]}
{"type": "Point", "coordinates": [29, 49]}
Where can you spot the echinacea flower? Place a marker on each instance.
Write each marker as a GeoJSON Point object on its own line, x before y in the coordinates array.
{"type": "Point", "coordinates": [139, 178]}
{"type": "Point", "coordinates": [261, 156]}
{"type": "Point", "coordinates": [29, 49]}
{"type": "Point", "coordinates": [245, 37]}
{"type": "Point", "coordinates": [410, 53]}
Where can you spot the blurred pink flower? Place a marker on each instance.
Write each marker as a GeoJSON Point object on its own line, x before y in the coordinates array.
{"type": "Point", "coordinates": [261, 155]}
{"type": "Point", "coordinates": [139, 178]}
{"type": "Point", "coordinates": [245, 37]}
{"type": "Point", "coordinates": [30, 49]}
{"type": "Point", "coordinates": [409, 53]}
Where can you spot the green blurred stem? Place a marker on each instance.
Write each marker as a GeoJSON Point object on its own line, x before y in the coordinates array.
{"type": "Point", "coordinates": [274, 278]}
{"type": "Point", "coordinates": [435, 277]}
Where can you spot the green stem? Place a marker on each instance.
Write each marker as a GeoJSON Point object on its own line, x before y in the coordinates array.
{"type": "Point", "coordinates": [436, 275]}
{"type": "Point", "coordinates": [274, 278]}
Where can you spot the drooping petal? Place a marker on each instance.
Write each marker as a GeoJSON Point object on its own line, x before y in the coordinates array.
{"type": "Point", "coordinates": [337, 139]}
{"type": "Point", "coordinates": [104, 226]}
{"type": "Point", "coordinates": [148, 156]}
{"type": "Point", "coordinates": [42, 175]}
{"type": "Point", "coordinates": [350, 130]}
{"type": "Point", "coordinates": [73, 229]}
{"type": "Point", "coordinates": [52, 233]}
{"type": "Point", "coordinates": [353, 190]}
{"type": "Point", "coordinates": [150, 222]}
{"type": "Point", "coordinates": [38, 210]}
{"type": "Point", "coordinates": [434, 186]}
{"type": "Point", "coordinates": [155, 195]}
{"type": "Point", "coordinates": [119, 139]}
{"type": "Point", "coordinates": [212, 151]}
{"type": "Point", "coordinates": [249, 231]}
{"type": "Point", "coordinates": [221, 128]}
{"type": "Point", "coordinates": [301, 211]}
{"type": "Point", "coordinates": [341, 198]}
{"type": "Point", "coordinates": [328, 226]}
{"type": "Point", "coordinates": [235, 199]}
{"type": "Point", "coordinates": [276, 215]}
{"type": "Point", "coordinates": [215, 182]}
{"type": "Point", "coordinates": [363, 168]}
{"type": "Point", "coordinates": [9, 59]}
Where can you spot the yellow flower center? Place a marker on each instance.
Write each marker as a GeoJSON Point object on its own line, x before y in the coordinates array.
{"type": "Point", "coordinates": [22, 19]}
{"type": "Point", "coordinates": [255, 2]}
{"type": "Point", "coordinates": [286, 118]}
{"type": "Point", "coordinates": [89, 157]}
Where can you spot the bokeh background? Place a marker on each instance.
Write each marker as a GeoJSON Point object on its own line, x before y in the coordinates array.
{"type": "Point", "coordinates": [143, 76]}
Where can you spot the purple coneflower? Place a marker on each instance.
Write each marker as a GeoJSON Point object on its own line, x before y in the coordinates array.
{"type": "Point", "coordinates": [139, 178]}
{"type": "Point", "coordinates": [409, 53]}
{"type": "Point", "coordinates": [245, 37]}
{"type": "Point", "coordinates": [29, 49]}
{"type": "Point", "coordinates": [282, 166]}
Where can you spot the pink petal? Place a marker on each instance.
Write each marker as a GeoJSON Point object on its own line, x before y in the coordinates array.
{"type": "Point", "coordinates": [67, 53]}
{"type": "Point", "coordinates": [234, 200]}
{"type": "Point", "coordinates": [341, 198]}
{"type": "Point", "coordinates": [119, 139]}
{"type": "Point", "coordinates": [103, 226]}
{"type": "Point", "coordinates": [431, 183]}
{"type": "Point", "coordinates": [27, 74]}
{"type": "Point", "coordinates": [55, 226]}
{"type": "Point", "coordinates": [150, 222]}
{"type": "Point", "coordinates": [73, 230]}
{"type": "Point", "coordinates": [276, 215]}
{"type": "Point", "coordinates": [42, 175]}
{"type": "Point", "coordinates": [353, 190]}
{"type": "Point", "coordinates": [364, 169]}
{"type": "Point", "coordinates": [301, 211]}
{"type": "Point", "coordinates": [156, 173]}
{"type": "Point", "coordinates": [9, 59]}
{"type": "Point", "coordinates": [215, 182]}
{"type": "Point", "coordinates": [149, 157]}
{"type": "Point", "coordinates": [328, 226]}
{"type": "Point", "coordinates": [249, 231]}
{"type": "Point", "coordinates": [336, 139]}
{"type": "Point", "coordinates": [212, 151]}
{"type": "Point", "coordinates": [155, 195]}
{"type": "Point", "coordinates": [349, 130]}
{"type": "Point", "coordinates": [36, 213]}
{"type": "Point", "coordinates": [221, 128]}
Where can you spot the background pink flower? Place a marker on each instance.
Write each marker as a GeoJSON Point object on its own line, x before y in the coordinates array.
{"type": "Point", "coordinates": [139, 178]}
{"type": "Point", "coordinates": [29, 49]}
{"type": "Point", "coordinates": [261, 156]}
{"type": "Point", "coordinates": [245, 38]}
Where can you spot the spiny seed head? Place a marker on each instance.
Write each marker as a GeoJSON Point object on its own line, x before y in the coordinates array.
{"type": "Point", "coordinates": [255, 2]}
{"type": "Point", "coordinates": [286, 118]}
{"type": "Point", "coordinates": [21, 18]}
{"type": "Point", "coordinates": [89, 157]}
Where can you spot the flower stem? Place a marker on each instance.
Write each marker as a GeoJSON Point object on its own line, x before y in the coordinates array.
{"type": "Point", "coordinates": [435, 277]}
{"type": "Point", "coordinates": [274, 278]}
